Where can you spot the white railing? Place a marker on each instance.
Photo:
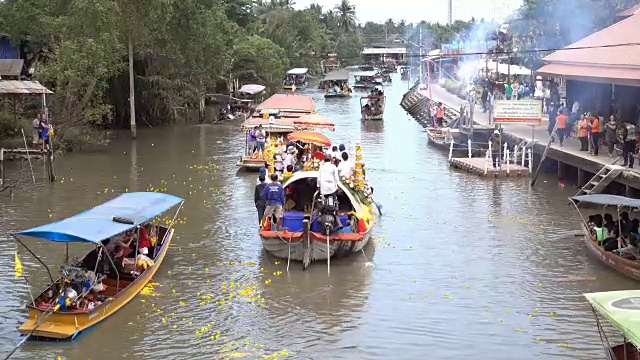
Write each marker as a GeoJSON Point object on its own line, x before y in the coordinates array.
{"type": "Point", "coordinates": [509, 157]}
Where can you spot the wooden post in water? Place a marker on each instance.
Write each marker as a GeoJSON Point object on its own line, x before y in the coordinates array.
{"type": "Point", "coordinates": [1, 166]}
{"type": "Point", "coordinates": [132, 94]}
{"type": "Point", "coordinates": [50, 168]}
{"type": "Point", "coordinates": [544, 155]}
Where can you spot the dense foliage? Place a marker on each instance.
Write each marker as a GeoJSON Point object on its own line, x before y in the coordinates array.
{"type": "Point", "coordinates": [183, 50]}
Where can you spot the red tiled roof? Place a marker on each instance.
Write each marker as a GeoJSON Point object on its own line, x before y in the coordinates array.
{"type": "Point", "coordinates": [598, 54]}
{"type": "Point", "coordinates": [288, 102]}
{"type": "Point", "coordinates": [629, 12]}
{"type": "Point", "coordinates": [608, 75]}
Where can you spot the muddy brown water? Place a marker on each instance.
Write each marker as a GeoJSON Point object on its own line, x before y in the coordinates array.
{"type": "Point", "coordinates": [461, 267]}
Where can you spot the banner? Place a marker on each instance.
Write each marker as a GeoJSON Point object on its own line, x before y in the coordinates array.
{"type": "Point", "coordinates": [517, 112]}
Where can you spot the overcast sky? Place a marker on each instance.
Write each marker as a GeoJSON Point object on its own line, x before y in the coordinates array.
{"type": "Point", "coordinates": [417, 10]}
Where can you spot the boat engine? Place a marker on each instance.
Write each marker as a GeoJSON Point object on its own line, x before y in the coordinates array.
{"type": "Point", "coordinates": [326, 213]}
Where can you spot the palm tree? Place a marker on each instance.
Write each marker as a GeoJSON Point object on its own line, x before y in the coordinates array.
{"type": "Point", "coordinates": [389, 26]}
{"type": "Point", "coordinates": [346, 16]}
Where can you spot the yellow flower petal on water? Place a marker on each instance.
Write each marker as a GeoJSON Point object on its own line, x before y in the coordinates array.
{"type": "Point", "coordinates": [181, 302]}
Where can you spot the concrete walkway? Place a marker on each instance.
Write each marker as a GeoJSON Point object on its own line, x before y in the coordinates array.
{"type": "Point", "coordinates": [541, 136]}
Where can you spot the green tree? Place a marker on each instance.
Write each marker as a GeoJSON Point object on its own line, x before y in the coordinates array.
{"type": "Point", "coordinates": [260, 61]}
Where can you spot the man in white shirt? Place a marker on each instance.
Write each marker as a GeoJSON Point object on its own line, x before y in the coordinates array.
{"type": "Point", "coordinates": [328, 182]}
{"type": "Point", "coordinates": [290, 158]}
{"type": "Point", "coordinates": [345, 168]}
{"type": "Point", "coordinates": [328, 177]}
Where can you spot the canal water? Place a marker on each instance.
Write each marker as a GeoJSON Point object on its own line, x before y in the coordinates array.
{"type": "Point", "coordinates": [461, 267]}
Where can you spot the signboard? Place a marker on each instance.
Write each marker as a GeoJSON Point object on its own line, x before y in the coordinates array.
{"type": "Point", "coordinates": [517, 112]}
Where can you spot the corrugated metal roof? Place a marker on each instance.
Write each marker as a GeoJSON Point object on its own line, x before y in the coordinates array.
{"type": "Point", "coordinates": [22, 87]}
{"type": "Point", "coordinates": [372, 51]}
{"type": "Point", "coordinates": [605, 47]}
{"type": "Point", "coordinates": [11, 67]}
{"type": "Point", "coordinates": [601, 74]}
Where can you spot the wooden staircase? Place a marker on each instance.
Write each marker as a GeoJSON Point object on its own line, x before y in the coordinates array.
{"type": "Point", "coordinates": [603, 178]}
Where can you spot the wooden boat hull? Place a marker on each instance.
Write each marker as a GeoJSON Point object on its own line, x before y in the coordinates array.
{"type": "Point", "coordinates": [290, 245]}
{"type": "Point", "coordinates": [336, 95]}
{"type": "Point", "coordinates": [298, 87]}
{"type": "Point", "coordinates": [629, 268]}
{"type": "Point", "coordinates": [250, 163]}
{"type": "Point", "coordinates": [67, 325]}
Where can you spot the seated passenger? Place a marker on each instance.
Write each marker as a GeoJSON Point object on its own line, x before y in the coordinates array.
{"type": "Point", "coordinates": [598, 232]}
{"type": "Point", "coordinates": [630, 252]}
{"type": "Point", "coordinates": [288, 171]}
{"type": "Point", "coordinates": [144, 244]}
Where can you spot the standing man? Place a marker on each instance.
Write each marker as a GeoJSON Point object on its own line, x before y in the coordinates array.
{"type": "Point", "coordinates": [328, 181]}
{"type": "Point", "coordinates": [484, 98]}
{"type": "Point", "coordinates": [562, 127]}
{"type": "Point", "coordinates": [595, 134]}
{"type": "Point", "coordinates": [35, 130]}
{"type": "Point", "coordinates": [257, 197]}
{"type": "Point", "coordinates": [629, 138]}
{"type": "Point", "coordinates": [610, 130]}
{"type": "Point", "coordinates": [273, 197]}
{"type": "Point", "coordinates": [508, 91]}
{"type": "Point", "coordinates": [439, 115]}
{"type": "Point", "coordinates": [495, 149]}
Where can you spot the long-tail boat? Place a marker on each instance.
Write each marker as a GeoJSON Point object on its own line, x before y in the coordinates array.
{"type": "Point", "coordinates": [296, 79]}
{"type": "Point", "coordinates": [627, 267]}
{"type": "Point", "coordinates": [94, 288]}
{"type": "Point", "coordinates": [308, 233]}
{"type": "Point", "coordinates": [622, 310]}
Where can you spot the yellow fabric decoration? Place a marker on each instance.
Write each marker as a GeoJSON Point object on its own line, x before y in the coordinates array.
{"type": "Point", "coordinates": [18, 266]}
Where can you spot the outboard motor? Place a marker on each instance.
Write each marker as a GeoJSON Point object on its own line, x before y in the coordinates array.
{"type": "Point", "coordinates": [327, 210]}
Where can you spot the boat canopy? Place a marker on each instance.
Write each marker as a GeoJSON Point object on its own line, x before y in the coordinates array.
{"type": "Point", "coordinates": [288, 103]}
{"type": "Point", "coordinates": [337, 76]}
{"type": "Point", "coordinates": [297, 71]}
{"type": "Point", "coordinates": [621, 309]}
{"type": "Point", "coordinates": [607, 200]}
{"type": "Point", "coordinates": [299, 175]}
{"type": "Point", "coordinates": [366, 73]}
{"type": "Point", "coordinates": [101, 222]}
{"type": "Point", "coordinates": [251, 89]}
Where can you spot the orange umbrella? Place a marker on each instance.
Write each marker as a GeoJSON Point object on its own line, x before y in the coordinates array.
{"type": "Point", "coordinates": [312, 137]}
{"type": "Point", "coordinates": [315, 121]}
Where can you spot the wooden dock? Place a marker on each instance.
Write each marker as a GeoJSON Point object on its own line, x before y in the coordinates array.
{"type": "Point", "coordinates": [479, 165]}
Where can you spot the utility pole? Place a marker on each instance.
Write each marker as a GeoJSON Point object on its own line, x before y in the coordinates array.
{"type": "Point", "coordinates": [450, 12]}
{"type": "Point", "coordinates": [132, 100]}
{"type": "Point", "coordinates": [420, 57]}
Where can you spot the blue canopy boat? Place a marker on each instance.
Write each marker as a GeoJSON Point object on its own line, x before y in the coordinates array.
{"type": "Point", "coordinates": [92, 289]}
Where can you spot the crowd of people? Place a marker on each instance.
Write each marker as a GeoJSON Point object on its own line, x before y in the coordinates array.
{"type": "Point", "coordinates": [270, 197]}
{"type": "Point", "coordinates": [618, 236]}
{"type": "Point", "coordinates": [294, 79]}
{"type": "Point", "coordinates": [375, 104]}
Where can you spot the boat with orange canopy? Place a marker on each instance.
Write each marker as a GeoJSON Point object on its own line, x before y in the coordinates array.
{"type": "Point", "coordinates": [312, 137]}
{"type": "Point", "coordinates": [308, 233]}
{"type": "Point", "coordinates": [277, 115]}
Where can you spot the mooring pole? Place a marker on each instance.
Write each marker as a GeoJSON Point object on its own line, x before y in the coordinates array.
{"type": "Point", "coordinates": [544, 155]}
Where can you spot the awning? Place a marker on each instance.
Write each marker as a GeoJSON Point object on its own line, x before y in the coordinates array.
{"type": "Point", "coordinates": [599, 74]}
{"type": "Point", "coordinates": [316, 121]}
{"type": "Point", "coordinates": [336, 75]}
{"type": "Point", "coordinates": [621, 309]}
{"type": "Point", "coordinates": [98, 224]}
{"type": "Point", "coordinates": [288, 102]}
{"type": "Point", "coordinates": [298, 71]}
{"type": "Point", "coordinates": [251, 89]}
{"type": "Point", "coordinates": [22, 87]}
{"type": "Point", "coordinates": [608, 200]}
